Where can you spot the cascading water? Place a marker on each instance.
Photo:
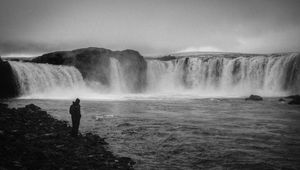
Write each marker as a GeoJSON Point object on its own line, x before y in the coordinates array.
{"type": "Point", "coordinates": [118, 84]}
{"type": "Point", "coordinates": [224, 76]}
{"type": "Point", "coordinates": [202, 76]}
{"type": "Point", "coordinates": [164, 76]}
{"type": "Point", "coordinates": [38, 79]}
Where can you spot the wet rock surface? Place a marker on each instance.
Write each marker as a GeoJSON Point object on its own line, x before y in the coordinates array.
{"type": "Point", "coordinates": [8, 85]}
{"type": "Point", "coordinates": [295, 99]}
{"type": "Point", "coordinates": [32, 139]}
{"type": "Point", "coordinates": [254, 98]}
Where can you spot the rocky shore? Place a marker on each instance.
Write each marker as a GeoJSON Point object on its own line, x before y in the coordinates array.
{"type": "Point", "coordinates": [32, 139]}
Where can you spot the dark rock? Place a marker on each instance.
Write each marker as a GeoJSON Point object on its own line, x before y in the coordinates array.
{"type": "Point", "coordinates": [30, 136]}
{"type": "Point", "coordinates": [3, 105]}
{"type": "Point", "coordinates": [295, 99]}
{"type": "Point", "coordinates": [167, 58]}
{"type": "Point", "coordinates": [32, 139]}
{"type": "Point", "coordinates": [125, 160]}
{"type": "Point", "coordinates": [32, 107]}
{"type": "Point", "coordinates": [124, 125]}
{"type": "Point", "coordinates": [296, 102]}
{"type": "Point", "coordinates": [94, 139]}
{"type": "Point", "coordinates": [8, 85]}
{"type": "Point", "coordinates": [254, 98]}
{"type": "Point", "coordinates": [281, 100]}
{"type": "Point", "coordinates": [49, 135]}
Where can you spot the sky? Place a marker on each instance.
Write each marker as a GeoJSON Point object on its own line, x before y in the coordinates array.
{"type": "Point", "coordinates": [152, 27]}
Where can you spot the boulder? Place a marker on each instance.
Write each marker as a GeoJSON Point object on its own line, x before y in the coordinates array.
{"type": "Point", "coordinates": [254, 98]}
{"type": "Point", "coordinates": [297, 102]}
{"type": "Point", "coordinates": [295, 99]}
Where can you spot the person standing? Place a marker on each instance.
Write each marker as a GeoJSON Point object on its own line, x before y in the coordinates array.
{"type": "Point", "coordinates": [75, 114]}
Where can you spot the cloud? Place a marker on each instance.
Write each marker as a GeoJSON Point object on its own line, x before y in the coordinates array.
{"type": "Point", "coordinates": [150, 27]}
{"type": "Point", "coordinates": [20, 55]}
{"type": "Point", "coordinates": [271, 42]}
{"type": "Point", "coordinates": [200, 49]}
{"type": "Point", "coordinates": [7, 48]}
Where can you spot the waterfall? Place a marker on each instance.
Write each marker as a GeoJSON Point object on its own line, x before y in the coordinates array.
{"type": "Point", "coordinates": [273, 75]}
{"type": "Point", "coordinates": [165, 76]}
{"type": "Point", "coordinates": [215, 75]}
{"type": "Point", "coordinates": [45, 78]}
{"type": "Point", "coordinates": [117, 81]}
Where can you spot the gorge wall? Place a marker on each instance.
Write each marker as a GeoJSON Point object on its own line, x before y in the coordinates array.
{"type": "Point", "coordinates": [8, 85]}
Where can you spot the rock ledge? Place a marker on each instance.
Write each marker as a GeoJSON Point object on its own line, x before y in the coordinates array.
{"type": "Point", "coordinates": [32, 139]}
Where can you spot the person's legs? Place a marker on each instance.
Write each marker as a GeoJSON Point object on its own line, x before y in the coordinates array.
{"type": "Point", "coordinates": [73, 132]}
{"type": "Point", "coordinates": [76, 125]}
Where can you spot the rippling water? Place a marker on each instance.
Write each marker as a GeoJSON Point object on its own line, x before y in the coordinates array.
{"type": "Point", "coordinates": [192, 133]}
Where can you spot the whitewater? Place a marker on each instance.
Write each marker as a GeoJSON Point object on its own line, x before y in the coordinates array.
{"type": "Point", "coordinates": [183, 77]}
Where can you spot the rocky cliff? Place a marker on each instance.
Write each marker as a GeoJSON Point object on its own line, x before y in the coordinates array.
{"type": "Point", "coordinates": [8, 85]}
{"type": "Point", "coordinates": [94, 63]}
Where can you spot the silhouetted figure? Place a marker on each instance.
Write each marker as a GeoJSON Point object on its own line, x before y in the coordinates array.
{"type": "Point", "coordinates": [75, 113]}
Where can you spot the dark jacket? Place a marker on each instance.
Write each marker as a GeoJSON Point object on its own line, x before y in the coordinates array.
{"type": "Point", "coordinates": [75, 110]}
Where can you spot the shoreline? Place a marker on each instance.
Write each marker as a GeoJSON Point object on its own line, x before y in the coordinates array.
{"type": "Point", "coordinates": [30, 138]}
